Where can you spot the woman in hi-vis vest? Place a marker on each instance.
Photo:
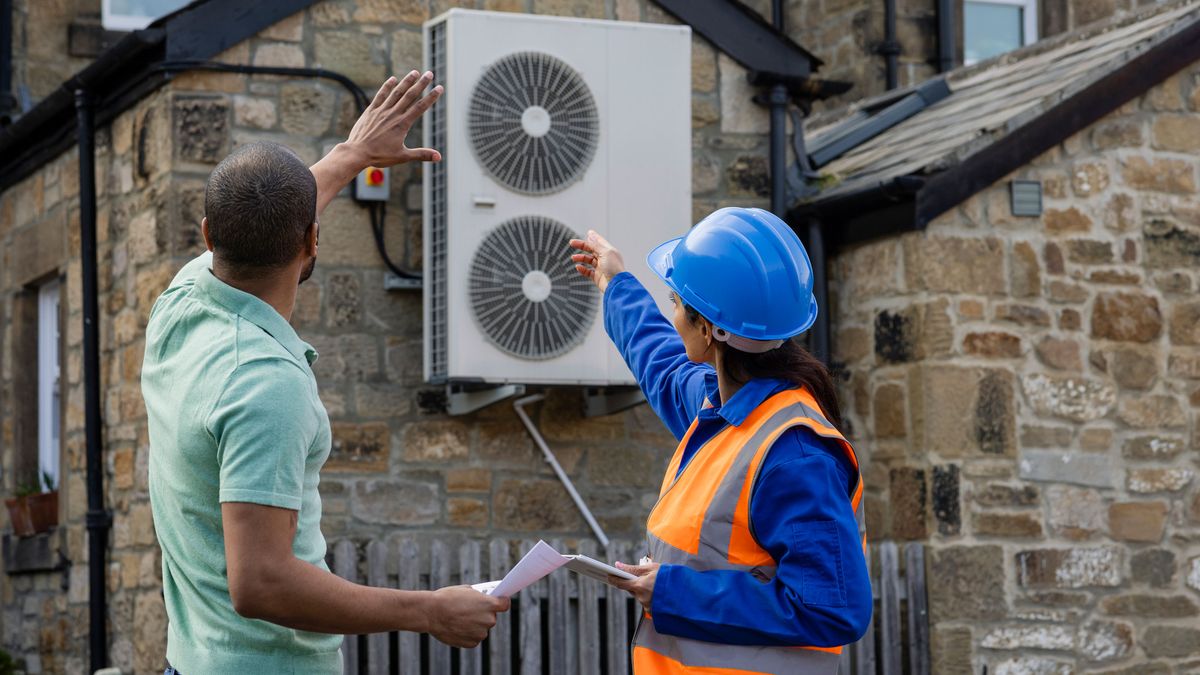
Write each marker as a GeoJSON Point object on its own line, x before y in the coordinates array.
{"type": "Point", "coordinates": [756, 542]}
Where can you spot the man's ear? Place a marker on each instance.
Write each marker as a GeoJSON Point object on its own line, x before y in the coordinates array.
{"type": "Point", "coordinates": [312, 238]}
{"type": "Point", "coordinates": [204, 233]}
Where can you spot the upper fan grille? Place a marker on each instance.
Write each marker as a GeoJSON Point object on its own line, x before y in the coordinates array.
{"type": "Point", "coordinates": [525, 293]}
{"type": "Point", "coordinates": [533, 123]}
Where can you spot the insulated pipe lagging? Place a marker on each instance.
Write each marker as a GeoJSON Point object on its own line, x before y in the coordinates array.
{"type": "Point", "coordinates": [519, 407]}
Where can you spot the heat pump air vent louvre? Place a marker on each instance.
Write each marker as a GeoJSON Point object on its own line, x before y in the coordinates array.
{"type": "Point", "coordinates": [533, 123]}
{"type": "Point", "coordinates": [525, 294]}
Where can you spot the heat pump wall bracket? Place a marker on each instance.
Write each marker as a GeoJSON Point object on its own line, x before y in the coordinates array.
{"type": "Point", "coordinates": [601, 401]}
{"type": "Point", "coordinates": [462, 401]}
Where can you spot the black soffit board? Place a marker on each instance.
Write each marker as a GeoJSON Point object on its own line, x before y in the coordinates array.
{"type": "Point", "coordinates": [745, 36]}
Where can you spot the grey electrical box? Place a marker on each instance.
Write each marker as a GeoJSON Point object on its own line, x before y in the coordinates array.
{"type": "Point", "coordinates": [372, 185]}
{"type": "Point", "coordinates": [1027, 198]}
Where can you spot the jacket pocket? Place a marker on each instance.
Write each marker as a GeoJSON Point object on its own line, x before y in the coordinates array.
{"type": "Point", "coordinates": [820, 558]}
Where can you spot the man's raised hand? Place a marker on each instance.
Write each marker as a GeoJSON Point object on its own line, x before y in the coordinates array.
{"type": "Point", "coordinates": [380, 132]}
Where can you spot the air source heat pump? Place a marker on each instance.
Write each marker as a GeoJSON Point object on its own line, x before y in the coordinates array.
{"type": "Point", "coordinates": [548, 127]}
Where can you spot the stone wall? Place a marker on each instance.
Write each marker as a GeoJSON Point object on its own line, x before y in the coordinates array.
{"type": "Point", "coordinates": [1027, 392]}
{"type": "Point", "coordinates": [45, 51]}
{"type": "Point", "coordinates": [398, 467]}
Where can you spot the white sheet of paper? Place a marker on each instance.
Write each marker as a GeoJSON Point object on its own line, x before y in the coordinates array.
{"type": "Point", "coordinates": [541, 560]}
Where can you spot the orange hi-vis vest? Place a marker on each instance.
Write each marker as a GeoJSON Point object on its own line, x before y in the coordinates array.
{"type": "Point", "coordinates": [702, 520]}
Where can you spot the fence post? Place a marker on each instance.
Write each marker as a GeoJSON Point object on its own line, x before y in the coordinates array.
{"type": "Point", "coordinates": [500, 643]}
{"type": "Point", "coordinates": [589, 617]}
{"type": "Point", "coordinates": [346, 565]}
{"type": "Point", "coordinates": [377, 643]}
{"type": "Point", "coordinates": [439, 576]}
{"type": "Point", "coordinates": [558, 620]}
{"type": "Point", "coordinates": [470, 660]}
{"type": "Point", "coordinates": [531, 623]}
{"type": "Point", "coordinates": [918, 612]}
{"type": "Point", "coordinates": [889, 572]}
{"type": "Point", "coordinates": [410, 579]}
{"type": "Point", "coordinates": [618, 616]}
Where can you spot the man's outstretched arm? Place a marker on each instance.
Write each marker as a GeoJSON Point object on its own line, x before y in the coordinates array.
{"type": "Point", "coordinates": [378, 136]}
{"type": "Point", "coordinates": [268, 582]}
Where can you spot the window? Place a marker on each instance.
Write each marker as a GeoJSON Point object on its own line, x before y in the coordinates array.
{"type": "Point", "coordinates": [992, 27]}
{"type": "Point", "coordinates": [135, 14]}
{"type": "Point", "coordinates": [48, 403]}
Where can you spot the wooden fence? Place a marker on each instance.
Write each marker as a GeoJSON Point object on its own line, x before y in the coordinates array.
{"type": "Point", "coordinates": [566, 625]}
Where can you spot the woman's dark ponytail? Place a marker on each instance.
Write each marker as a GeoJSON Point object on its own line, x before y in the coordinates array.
{"type": "Point", "coordinates": [790, 361]}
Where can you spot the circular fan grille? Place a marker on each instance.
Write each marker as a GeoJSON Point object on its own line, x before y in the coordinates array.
{"type": "Point", "coordinates": [525, 292]}
{"type": "Point", "coordinates": [533, 123]}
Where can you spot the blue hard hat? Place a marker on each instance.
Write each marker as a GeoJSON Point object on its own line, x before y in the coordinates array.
{"type": "Point", "coordinates": [745, 271]}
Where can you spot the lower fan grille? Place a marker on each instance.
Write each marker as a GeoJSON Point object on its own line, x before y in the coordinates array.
{"type": "Point", "coordinates": [525, 293]}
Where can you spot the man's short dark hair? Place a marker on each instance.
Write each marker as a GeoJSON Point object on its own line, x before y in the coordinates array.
{"type": "Point", "coordinates": [260, 202]}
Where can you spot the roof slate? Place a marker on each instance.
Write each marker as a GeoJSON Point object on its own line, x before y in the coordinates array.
{"type": "Point", "coordinates": [991, 99]}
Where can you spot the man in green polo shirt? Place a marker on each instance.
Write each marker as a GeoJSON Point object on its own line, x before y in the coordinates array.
{"type": "Point", "coordinates": [238, 434]}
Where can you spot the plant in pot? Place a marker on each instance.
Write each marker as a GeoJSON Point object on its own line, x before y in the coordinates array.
{"type": "Point", "coordinates": [43, 507]}
{"type": "Point", "coordinates": [18, 510]}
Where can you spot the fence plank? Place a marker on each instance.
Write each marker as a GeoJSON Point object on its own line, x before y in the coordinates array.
{"type": "Point", "coordinates": [470, 660]}
{"type": "Point", "coordinates": [377, 643]}
{"type": "Point", "coordinates": [559, 628]}
{"type": "Point", "coordinates": [589, 617]}
{"type": "Point", "coordinates": [410, 579]}
{"type": "Point", "coordinates": [500, 642]}
{"type": "Point", "coordinates": [531, 623]}
{"type": "Point", "coordinates": [439, 576]}
{"type": "Point", "coordinates": [889, 572]}
{"type": "Point", "coordinates": [918, 611]}
{"type": "Point", "coordinates": [346, 566]}
{"type": "Point", "coordinates": [618, 616]}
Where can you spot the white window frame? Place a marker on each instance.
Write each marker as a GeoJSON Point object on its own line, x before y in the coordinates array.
{"type": "Point", "coordinates": [117, 21]}
{"type": "Point", "coordinates": [49, 408]}
{"type": "Point", "coordinates": [1029, 16]}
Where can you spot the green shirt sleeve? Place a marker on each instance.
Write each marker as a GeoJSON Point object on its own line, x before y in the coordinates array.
{"type": "Point", "coordinates": [262, 443]}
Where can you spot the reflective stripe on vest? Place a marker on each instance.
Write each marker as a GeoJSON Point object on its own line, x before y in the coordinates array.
{"type": "Point", "coordinates": [702, 520]}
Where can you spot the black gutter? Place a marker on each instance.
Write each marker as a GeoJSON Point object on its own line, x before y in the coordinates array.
{"type": "Point", "coordinates": [890, 47]}
{"type": "Point", "coordinates": [946, 32]}
{"type": "Point", "coordinates": [8, 102]}
{"type": "Point", "coordinates": [870, 212]}
{"type": "Point", "coordinates": [99, 520]}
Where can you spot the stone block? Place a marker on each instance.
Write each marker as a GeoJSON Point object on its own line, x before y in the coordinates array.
{"type": "Point", "coordinates": [946, 499]}
{"type": "Point", "coordinates": [435, 441]}
{"type": "Point", "coordinates": [359, 447]}
{"type": "Point", "coordinates": [1172, 176]}
{"type": "Point", "coordinates": [950, 650]}
{"type": "Point", "coordinates": [624, 466]}
{"type": "Point", "coordinates": [1059, 353]}
{"type": "Point", "coordinates": [306, 109]}
{"type": "Point", "coordinates": [1096, 439]}
{"type": "Point", "coordinates": [955, 264]}
{"type": "Point", "coordinates": [1185, 324]}
{"type": "Point", "coordinates": [150, 631]}
{"type": "Point", "coordinates": [1170, 641]}
{"type": "Point", "coordinates": [254, 111]}
{"type": "Point", "coordinates": [1048, 637]}
{"type": "Point", "coordinates": [468, 480]}
{"type": "Point", "coordinates": [1025, 274]}
{"type": "Point", "coordinates": [201, 129]}
{"type": "Point", "coordinates": [461, 512]}
{"type": "Point", "coordinates": [1090, 469]}
{"type": "Point", "coordinates": [1089, 178]}
{"type": "Point", "coordinates": [1023, 315]}
{"type": "Point", "coordinates": [531, 505]}
{"type": "Point", "coordinates": [1066, 292]}
{"type": "Point", "coordinates": [381, 400]}
{"type": "Point", "coordinates": [1193, 574]}
{"type": "Point", "coordinates": [1007, 525]}
{"type": "Point", "coordinates": [391, 502]}
{"type": "Point", "coordinates": [970, 584]}
{"type": "Point", "coordinates": [992, 344]}
{"type": "Point", "coordinates": [1152, 447]}
{"type": "Point", "coordinates": [1137, 521]}
{"type": "Point", "coordinates": [1101, 641]}
{"type": "Point", "coordinates": [561, 419]}
{"type": "Point", "coordinates": [1126, 317]}
{"type": "Point", "coordinates": [279, 55]}
{"type": "Point", "coordinates": [579, 8]}
{"type": "Point", "coordinates": [1176, 133]}
{"type": "Point", "coordinates": [1120, 132]}
{"type": "Point", "coordinates": [1152, 412]}
{"type": "Point", "coordinates": [290, 29]}
{"type": "Point", "coordinates": [352, 54]}
{"type": "Point", "coordinates": [944, 396]}
{"type": "Point", "coordinates": [739, 113]}
{"type": "Point", "coordinates": [1150, 606]}
{"type": "Point", "coordinates": [908, 497]}
{"type": "Point", "coordinates": [891, 413]}
{"type": "Point", "coordinates": [1072, 398]}
{"type": "Point", "coordinates": [1070, 568]}
{"type": "Point", "coordinates": [1133, 369]}
{"type": "Point", "coordinates": [1158, 480]}
{"type": "Point", "coordinates": [748, 176]}
{"type": "Point", "coordinates": [1089, 252]}
{"type": "Point", "coordinates": [1031, 665]}
{"type": "Point", "coordinates": [1170, 244]}
{"type": "Point", "coordinates": [1153, 567]}
{"type": "Point", "coordinates": [999, 494]}
{"type": "Point", "coordinates": [1065, 221]}
{"type": "Point", "coordinates": [1075, 513]}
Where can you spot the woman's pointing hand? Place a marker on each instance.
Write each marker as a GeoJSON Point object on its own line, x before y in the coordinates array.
{"type": "Point", "coordinates": [598, 260]}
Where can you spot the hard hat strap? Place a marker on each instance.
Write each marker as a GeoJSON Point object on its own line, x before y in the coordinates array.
{"type": "Point", "coordinates": [744, 344]}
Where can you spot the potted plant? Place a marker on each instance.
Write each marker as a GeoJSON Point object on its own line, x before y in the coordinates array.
{"type": "Point", "coordinates": [43, 507]}
{"type": "Point", "coordinates": [18, 511]}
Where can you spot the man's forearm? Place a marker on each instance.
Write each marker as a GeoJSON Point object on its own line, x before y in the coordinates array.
{"type": "Point", "coordinates": [335, 171]}
{"type": "Point", "coordinates": [304, 597]}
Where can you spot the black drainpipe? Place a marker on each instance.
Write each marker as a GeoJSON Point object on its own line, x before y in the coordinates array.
{"type": "Point", "coordinates": [8, 102]}
{"type": "Point", "coordinates": [98, 519]}
{"type": "Point", "coordinates": [946, 35]}
{"type": "Point", "coordinates": [890, 49]}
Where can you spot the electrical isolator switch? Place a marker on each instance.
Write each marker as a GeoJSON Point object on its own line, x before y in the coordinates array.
{"type": "Point", "coordinates": [372, 185]}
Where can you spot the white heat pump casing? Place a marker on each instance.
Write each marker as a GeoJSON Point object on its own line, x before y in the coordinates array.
{"type": "Point", "coordinates": [636, 190]}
